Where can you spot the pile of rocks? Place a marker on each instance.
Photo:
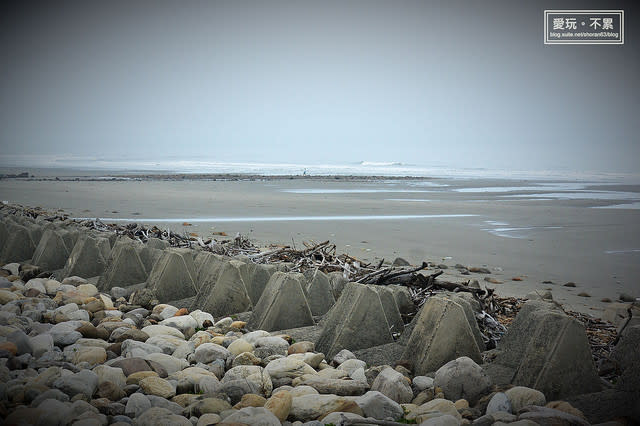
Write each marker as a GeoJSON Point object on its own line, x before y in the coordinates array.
{"type": "Point", "coordinates": [73, 355]}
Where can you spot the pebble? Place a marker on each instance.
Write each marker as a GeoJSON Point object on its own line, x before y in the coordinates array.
{"type": "Point", "coordinates": [208, 352]}
{"type": "Point", "coordinates": [462, 378]}
{"type": "Point", "coordinates": [250, 400]}
{"type": "Point", "coordinates": [301, 347]}
{"type": "Point", "coordinates": [434, 408]}
{"type": "Point", "coordinates": [239, 346]}
{"type": "Point", "coordinates": [288, 367]}
{"type": "Point", "coordinates": [137, 404]}
{"type": "Point", "coordinates": [342, 356]}
{"type": "Point", "coordinates": [393, 385]}
{"type": "Point", "coordinates": [259, 416]}
{"type": "Point", "coordinates": [499, 402]}
{"type": "Point", "coordinates": [156, 386]}
{"type": "Point", "coordinates": [521, 396]}
{"type": "Point", "coordinates": [375, 404]}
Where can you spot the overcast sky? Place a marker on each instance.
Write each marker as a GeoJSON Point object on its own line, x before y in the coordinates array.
{"type": "Point", "coordinates": [441, 82]}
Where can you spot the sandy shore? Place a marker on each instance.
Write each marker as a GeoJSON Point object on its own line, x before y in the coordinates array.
{"type": "Point", "coordinates": [515, 233]}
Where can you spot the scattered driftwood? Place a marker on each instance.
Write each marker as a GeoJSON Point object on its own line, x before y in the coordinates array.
{"type": "Point", "coordinates": [390, 275]}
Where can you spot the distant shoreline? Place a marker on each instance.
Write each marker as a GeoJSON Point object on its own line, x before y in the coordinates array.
{"type": "Point", "coordinates": [301, 172]}
{"type": "Point", "coordinates": [216, 177]}
{"type": "Point", "coordinates": [252, 176]}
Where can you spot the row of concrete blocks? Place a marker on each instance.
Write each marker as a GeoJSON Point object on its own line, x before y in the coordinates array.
{"type": "Point", "coordinates": [65, 249]}
{"type": "Point", "coordinates": [213, 283]}
{"type": "Point", "coordinates": [543, 349]}
{"type": "Point", "coordinates": [171, 274]}
{"type": "Point", "coordinates": [20, 237]}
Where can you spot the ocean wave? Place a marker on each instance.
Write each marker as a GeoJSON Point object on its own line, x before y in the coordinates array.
{"type": "Point", "coordinates": [381, 164]}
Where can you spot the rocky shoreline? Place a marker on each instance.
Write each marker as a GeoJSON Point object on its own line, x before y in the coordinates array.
{"type": "Point", "coordinates": [97, 328]}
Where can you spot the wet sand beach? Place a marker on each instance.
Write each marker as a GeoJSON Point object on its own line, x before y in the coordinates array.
{"type": "Point", "coordinates": [534, 231]}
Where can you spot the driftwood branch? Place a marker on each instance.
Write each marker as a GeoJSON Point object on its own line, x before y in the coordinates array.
{"type": "Point", "coordinates": [458, 287]}
{"type": "Point", "coordinates": [389, 277]}
{"type": "Point", "coordinates": [269, 253]}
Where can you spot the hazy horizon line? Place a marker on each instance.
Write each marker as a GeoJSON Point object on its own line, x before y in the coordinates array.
{"type": "Point", "coordinates": [187, 165]}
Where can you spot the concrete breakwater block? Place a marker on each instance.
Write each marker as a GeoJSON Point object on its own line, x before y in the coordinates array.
{"type": "Point", "coordinates": [469, 305]}
{"type": "Point", "coordinates": [157, 243]}
{"type": "Point", "coordinates": [35, 231]}
{"type": "Point", "coordinates": [546, 350]}
{"type": "Point", "coordinates": [623, 400]}
{"type": "Point", "coordinates": [125, 268]}
{"type": "Point", "coordinates": [207, 272]}
{"type": "Point", "coordinates": [68, 232]}
{"type": "Point", "coordinates": [208, 266]}
{"type": "Point", "coordinates": [170, 278]}
{"type": "Point", "coordinates": [229, 294]}
{"type": "Point", "coordinates": [19, 245]}
{"type": "Point", "coordinates": [189, 256]}
{"type": "Point", "coordinates": [52, 251]}
{"type": "Point", "coordinates": [403, 299]}
{"type": "Point", "coordinates": [441, 333]}
{"type": "Point", "coordinates": [282, 305]}
{"type": "Point", "coordinates": [622, 314]}
{"type": "Point", "coordinates": [627, 356]}
{"type": "Point", "coordinates": [4, 233]}
{"type": "Point", "coordinates": [121, 242]}
{"type": "Point", "coordinates": [202, 258]}
{"type": "Point", "coordinates": [111, 237]}
{"type": "Point", "coordinates": [390, 308]}
{"type": "Point", "coordinates": [338, 282]}
{"type": "Point", "coordinates": [70, 235]}
{"type": "Point", "coordinates": [255, 277]}
{"type": "Point", "coordinates": [319, 291]}
{"type": "Point", "coordinates": [89, 257]}
{"type": "Point", "coordinates": [356, 321]}
{"type": "Point", "coordinates": [149, 256]}
{"type": "Point", "coordinates": [386, 354]}
{"type": "Point", "coordinates": [310, 333]}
